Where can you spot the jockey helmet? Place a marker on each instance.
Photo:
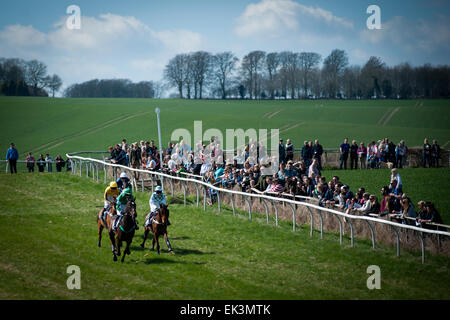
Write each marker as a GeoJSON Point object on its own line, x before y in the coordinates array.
{"type": "Point", "coordinates": [123, 175]}
{"type": "Point", "coordinates": [113, 185]}
{"type": "Point", "coordinates": [158, 188]}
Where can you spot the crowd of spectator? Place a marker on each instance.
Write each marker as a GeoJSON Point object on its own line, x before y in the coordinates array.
{"type": "Point", "coordinates": [384, 152]}
{"type": "Point", "coordinates": [247, 172]}
{"type": "Point", "coordinates": [43, 164]}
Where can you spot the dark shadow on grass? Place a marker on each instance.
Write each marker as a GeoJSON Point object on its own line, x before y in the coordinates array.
{"type": "Point", "coordinates": [150, 237]}
{"type": "Point", "coordinates": [185, 252]}
{"type": "Point", "coordinates": [177, 251]}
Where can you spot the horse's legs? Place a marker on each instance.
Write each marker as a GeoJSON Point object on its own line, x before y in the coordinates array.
{"type": "Point", "coordinates": [100, 230]}
{"type": "Point", "coordinates": [145, 237]}
{"type": "Point", "coordinates": [126, 251]}
{"type": "Point", "coordinates": [167, 242]}
{"type": "Point", "coordinates": [155, 239]}
{"type": "Point", "coordinates": [113, 245]}
{"type": "Point", "coordinates": [119, 245]}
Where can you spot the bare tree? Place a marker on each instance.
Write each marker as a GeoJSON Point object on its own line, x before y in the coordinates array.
{"type": "Point", "coordinates": [201, 68]}
{"type": "Point", "coordinates": [224, 64]}
{"type": "Point", "coordinates": [251, 67]}
{"type": "Point", "coordinates": [272, 65]}
{"type": "Point", "coordinates": [36, 72]}
{"type": "Point", "coordinates": [175, 72]}
{"type": "Point", "coordinates": [333, 68]}
{"type": "Point", "coordinates": [292, 72]}
{"type": "Point", "coordinates": [308, 62]}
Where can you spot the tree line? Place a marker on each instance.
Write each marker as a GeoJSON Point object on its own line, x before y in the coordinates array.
{"type": "Point", "coordinates": [114, 88]}
{"type": "Point", "coordinates": [300, 75]}
{"type": "Point", "coordinates": [26, 78]}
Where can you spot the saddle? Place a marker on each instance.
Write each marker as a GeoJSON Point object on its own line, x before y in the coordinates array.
{"type": "Point", "coordinates": [149, 219]}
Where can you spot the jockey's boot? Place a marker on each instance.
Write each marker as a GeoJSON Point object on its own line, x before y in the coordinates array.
{"type": "Point", "coordinates": [102, 214]}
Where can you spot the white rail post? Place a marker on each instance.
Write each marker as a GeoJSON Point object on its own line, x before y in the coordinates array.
{"type": "Point", "coordinates": [160, 145]}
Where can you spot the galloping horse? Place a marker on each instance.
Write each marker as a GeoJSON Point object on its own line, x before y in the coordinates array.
{"type": "Point", "coordinates": [125, 231]}
{"type": "Point", "coordinates": [158, 227]}
{"type": "Point", "coordinates": [105, 224]}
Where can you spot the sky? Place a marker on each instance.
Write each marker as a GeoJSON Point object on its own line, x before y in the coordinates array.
{"type": "Point", "coordinates": [135, 39]}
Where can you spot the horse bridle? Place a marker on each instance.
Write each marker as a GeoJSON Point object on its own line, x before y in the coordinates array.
{"type": "Point", "coordinates": [160, 216]}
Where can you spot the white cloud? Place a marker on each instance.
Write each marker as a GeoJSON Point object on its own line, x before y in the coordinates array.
{"type": "Point", "coordinates": [22, 36]}
{"type": "Point", "coordinates": [107, 46]}
{"type": "Point", "coordinates": [271, 17]}
{"type": "Point", "coordinates": [411, 35]}
{"type": "Point", "coordinates": [179, 41]}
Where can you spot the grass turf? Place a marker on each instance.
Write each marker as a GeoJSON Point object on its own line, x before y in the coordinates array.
{"type": "Point", "coordinates": [47, 222]}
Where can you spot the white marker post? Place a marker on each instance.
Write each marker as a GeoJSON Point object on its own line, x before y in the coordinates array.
{"type": "Point", "coordinates": [160, 147]}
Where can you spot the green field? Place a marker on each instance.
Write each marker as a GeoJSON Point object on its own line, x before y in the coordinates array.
{"type": "Point", "coordinates": [47, 223]}
{"type": "Point", "coordinates": [59, 126]}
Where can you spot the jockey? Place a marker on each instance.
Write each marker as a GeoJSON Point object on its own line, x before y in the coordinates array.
{"type": "Point", "coordinates": [121, 204]}
{"type": "Point", "coordinates": [156, 200]}
{"type": "Point", "coordinates": [111, 193]}
{"type": "Point", "coordinates": [123, 182]}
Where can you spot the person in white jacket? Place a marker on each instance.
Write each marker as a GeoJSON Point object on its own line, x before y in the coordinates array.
{"type": "Point", "coordinates": [157, 198]}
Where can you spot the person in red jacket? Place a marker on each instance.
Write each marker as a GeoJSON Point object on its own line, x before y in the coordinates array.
{"type": "Point", "coordinates": [30, 162]}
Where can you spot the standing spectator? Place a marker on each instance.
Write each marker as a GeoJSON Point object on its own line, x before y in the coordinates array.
{"type": "Point", "coordinates": [135, 158]}
{"type": "Point", "coordinates": [142, 147]}
{"type": "Point", "coordinates": [426, 156]}
{"type": "Point", "coordinates": [124, 145]}
{"type": "Point", "coordinates": [390, 152]}
{"type": "Point", "coordinates": [317, 152]}
{"type": "Point", "coordinates": [68, 165]}
{"type": "Point", "coordinates": [169, 148]}
{"type": "Point", "coordinates": [373, 155]}
{"type": "Point", "coordinates": [30, 162]}
{"type": "Point", "coordinates": [435, 154]}
{"type": "Point", "coordinates": [49, 162]}
{"type": "Point", "coordinates": [12, 155]}
{"type": "Point", "coordinates": [405, 156]}
{"type": "Point", "coordinates": [153, 148]}
{"type": "Point", "coordinates": [41, 163]}
{"type": "Point", "coordinates": [60, 163]}
{"type": "Point", "coordinates": [399, 154]}
{"type": "Point", "coordinates": [281, 152]}
{"type": "Point", "coordinates": [306, 154]}
{"type": "Point", "coordinates": [362, 155]}
{"type": "Point", "coordinates": [354, 155]}
{"type": "Point", "coordinates": [382, 146]}
{"type": "Point", "coordinates": [313, 170]}
{"type": "Point", "coordinates": [289, 150]}
{"type": "Point", "coordinates": [344, 150]}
